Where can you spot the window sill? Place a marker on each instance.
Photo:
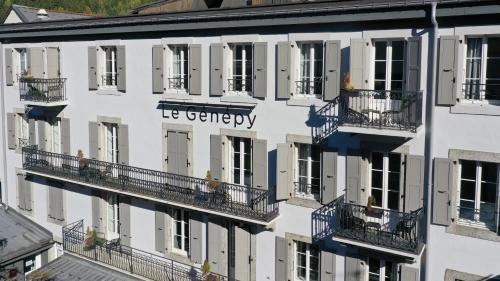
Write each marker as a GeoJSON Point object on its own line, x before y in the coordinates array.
{"type": "Point", "coordinates": [474, 232]}
{"type": "Point", "coordinates": [109, 92]}
{"type": "Point", "coordinates": [305, 101]}
{"type": "Point", "coordinates": [238, 99]}
{"type": "Point", "coordinates": [304, 202]}
{"type": "Point", "coordinates": [179, 258]}
{"type": "Point", "coordinates": [476, 109]}
{"type": "Point", "coordinates": [172, 94]}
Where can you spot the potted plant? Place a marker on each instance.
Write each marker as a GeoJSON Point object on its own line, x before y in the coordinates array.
{"type": "Point", "coordinates": [347, 82]}
{"type": "Point", "coordinates": [212, 184]}
{"type": "Point", "coordinates": [90, 239]}
{"type": "Point", "coordinates": [206, 274]}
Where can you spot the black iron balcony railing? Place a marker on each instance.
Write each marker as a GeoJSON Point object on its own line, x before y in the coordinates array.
{"type": "Point", "coordinates": [381, 109]}
{"type": "Point", "coordinates": [128, 259]}
{"type": "Point", "coordinates": [109, 79]}
{"type": "Point", "coordinates": [302, 189]}
{"type": "Point", "coordinates": [380, 227]}
{"type": "Point", "coordinates": [239, 84]}
{"type": "Point", "coordinates": [179, 83]}
{"type": "Point", "coordinates": [222, 197]}
{"type": "Point", "coordinates": [22, 142]}
{"type": "Point", "coordinates": [42, 89]}
{"type": "Point", "coordinates": [475, 91]}
{"type": "Point", "coordinates": [309, 87]}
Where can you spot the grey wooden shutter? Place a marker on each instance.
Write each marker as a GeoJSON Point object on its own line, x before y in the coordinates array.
{"type": "Point", "coordinates": [32, 129]}
{"type": "Point", "coordinates": [259, 163]}
{"type": "Point", "coordinates": [409, 273]}
{"type": "Point", "coordinates": [284, 171]}
{"type": "Point", "coordinates": [27, 193]}
{"type": "Point", "coordinates": [332, 70]}
{"type": "Point", "coordinates": [20, 192]}
{"type": "Point", "coordinates": [96, 211]}
{"type": "Point", "coordinates": [53, 67]}
{"type": "Point", "coordinates": [447, 71]}
{"type": "Point", "coordinates": [123, 149]}
{"type": "Point", "coordinates": [327, 266]}
{"type": "Point", "coordinates": [35, 62]}
{"type": "Point", "coordinates": [260, 70]}
{"type": "Point", "coordinates": [414, 183]}
{"type": "Point", "coordinates": [94, 140]}
{"type": "Point", "coordinates": [353, 177]}
{"type": "Point", "coordinates": [242, 257]}
{"type": "Point", "coordinates": [442, 190]}
{"type": "Point", "coordinates": [283, 69]}
{"type": "Point", "coordinates": [59, 197]}
{"type": "Point", "coordinates": [195, 238]}
{"type": "Point", "coordinates": [183, 157]}
{"type": "Point", "coordinates": [9, 71]}
{"type": "Point", "coordinates": [92, 70]}
{"type": "Point", "coordinates": [413, 54]}
{"type": "Point", "coordinates": [217, 247]}
{"type": "Point", "coordinates": [42, 137]}
{"type": "Point", "coordinates": [65, 136]}
{"type": "Point", "coordinates": [216, 68]}
{"type": "Point", "coordinates": [358, 63]}
{"type": "Point", "coordinates": [172, 152]}
{"type": "Point", "coordinates": [281, 259]}
{"type": "Point", "coordinates": [353, 269]}
{"type": "Point", "coordinates": [158, 69]}
{"type": "Point", "coordinates": [121, 63]}
{"type": "Point", "coordinates": [11, 130]}
{"type": "Point", "coordinates": [124, 206]}
{"type": "Point", "coordinates": [195, 69]}
{"type": "Point", "coordinates": [160, 229]}
{"type": "Point", "coordinates": [56, 204]}
{"type": "Point", "coordinates": [329, 176]}
{"type": "Point", "coordinates": [216, 156]}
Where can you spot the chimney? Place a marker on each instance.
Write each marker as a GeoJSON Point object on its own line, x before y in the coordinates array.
{"type": "Point", "coordinates": [42, 14]}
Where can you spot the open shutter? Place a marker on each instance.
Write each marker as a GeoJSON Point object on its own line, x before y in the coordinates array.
{"type": "Point", "coordinates": [65, 136]}
{"type": "Point", "coordinates": [42, 137]}
{"type": "Point", "coordinates": [217, 247]}
{"type": "Point", "coordinates": [358, 63]}
{"type": "Point", "coordinates": [35, 62]}
{"type": "Point", "coordinates": [20, 192]}
{"type": "Point", "coordinates": [96, 211]}
{"type": "Point", "coordinates": [332, 70]}
{"type": "Point", "coordinates": [53, 66]}
{"type": "Point", "coordinates": [442, 190]}
{"type": "Point", "coordinates": [409, 273]}
{"type": "Point", "coordinates": [354, 269]}
{"type": "Point", "coordinates": [281, 256]}
{"type": "Point", "coordinates": [259, 163]}
{"type": "Point", "coordinates": [260, 70]}
{"type": "Point", "coordinates": [56, 204]}
{"type": "Point", "coordinates": [216, 156]}
{"type": "Point", "coordinates": [447, 71]}
{"type": "Point", "coordinates": [121, 83]}
{"type": "Point", "coordinates": [158, 69]}
{"type": "Point", "coordinates": [160, 229]}
{"type": "Point", "coordinates": [242, 258]}
{"type": "Point", "coordinates": [216, 67]}
{"type": "Point", "coordinates": [195, 69]}
{"type": "Point", "coordinates": [27, 194]}
{"type": "Point", "coordinates": [329, 176]}
{"type": "Point", "coordinates": [182, 153]}
{"type": "Point", "coordinates": [123, 150]}
{"type": "Point", "coordinates": [283, 69]}
{"type": "Point", "coordinates": [11, 129]}
{"type": "Point", "coordinates": [195, 238]}
{"type": "Point", "coordinates": [92, 71]}
{"type": "Point", "coordinates": [9, 71]}
{"type": "Point", "coordinates": [32, 129]}
{"type": "Point", "coordinates": [353, 177]}
{"type": "Point", "coordinates": [284, 171]}
{"type": "Point", "coordinates": [413, 54]}
{"type": "Point", "coordinates": [414, 183]}
{"type": "Point", "coordinates": [327, 266]}
{"type": "Point", "coordinates": [94, 140]}
{"type": "Point", "coordinates": [124, 206]}
{"type": "Point", "coordinates": [51, 203]}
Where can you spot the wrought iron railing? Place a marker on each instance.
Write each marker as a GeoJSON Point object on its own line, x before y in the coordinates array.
{"type": "Point", "coordinates": [380, 227]}
{"type": "Point", "coordinates": [22, 142]}
{"type": "Point", "coordinates": [134, 261]}
{"type": "Point", "coordinates": [309, 87]}
{"type": "Point", "coordinates": [301, 189]}
{"type": "Point", "coordinates": [239, 84]}
{"type": "Point", "coordinates": [473, 90]}
{"type": "Point", "coordinates": [109, 80]}
{"type": "Point", "coordinates": [177, 83]}
{"type": "Point", "coordinates": [227, 198]}
{"type": "Point", "coordinates": [326, 120]}
{"type": "Point", "coordinates": [487, 217]}
{"type": "Point", "coordinates": [42, 89]}
{"type": "Point", "coordinates": [381, 109]}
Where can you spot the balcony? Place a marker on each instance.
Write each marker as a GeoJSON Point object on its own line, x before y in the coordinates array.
{"type": "Point", "coordinates": [43, 91]}
{"type": "Point", "coordinates": [206, 195]}
{"type": "Point", "coordinates": [131, 260]}
{"type": "Point", "coordinates": [384, 230]}
{"type": "Point", "coordinates": [309, 88]}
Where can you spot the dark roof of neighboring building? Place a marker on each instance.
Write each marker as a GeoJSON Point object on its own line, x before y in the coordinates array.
{"type": "Point", "coordinates": [30, 14]}
{"type": "Point", "coordinates": [70, 267]}
{"type": "Point", "coordinates": [19, 236]}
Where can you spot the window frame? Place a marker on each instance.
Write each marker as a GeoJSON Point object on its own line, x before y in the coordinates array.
{"type": "Point", "coordinates": [311, 76]}
{"type": "Point", "coordinates": [385, 179]}
{"type": "Point", "coordinates": [388, 63]}
{"type": "Point", "coordinates": [184, 67]}
{"type": "Point", "coordinates": [309, 177]}
{"type": "Point", "coordinates": [185, 216]}
{"type": "Point", "coordinates": [104, 66]}
{"type": "Point", "coordinates": [382, 274]}
{"type": "Point", "coordinates": [308, 261]}
{"type": "Point", "coordinates": [244, 63]}
{"type": "Point", "coordinates": [114, 127]}
{"type": "Point", "coordinates": [242, 168]}
{"type": "Point", "coordinates": [115, 205]}
{"type": "Point", "coordinates": [55, 127]}
{"type": "Point", "coordinates": [22, 128]}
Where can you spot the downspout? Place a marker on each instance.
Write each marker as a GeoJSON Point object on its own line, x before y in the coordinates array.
{"type": "Point", "coordinates": [429, 143]}
{"type": "Point", "coordinates": [3, 118]}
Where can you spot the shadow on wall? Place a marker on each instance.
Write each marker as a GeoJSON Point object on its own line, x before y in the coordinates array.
{"type": "Point", "coordinates": [271, 174]}
{"type": "Point", "coordinates": [322, 222]}
{"type": "Point", "coordinates": [324, 121]}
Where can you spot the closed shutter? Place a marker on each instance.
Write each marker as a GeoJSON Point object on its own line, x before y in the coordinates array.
{"type": "Point", "coordinates": [413, 54]}
{"type": "Point", "coordinates": [51, 203]}
{"type": "Point", "coordinates": [42, 137]}
{"type": "Point", "coordinates": [35, 62]}
{"type": "Point", "coordinates": [281, 259]}
{"type": "Point", "coordinates": [20, 192]}
{"type": "Point", "coordinates": [327, 266]}
{"type": "Point", "coordinates": [27, 193]}
{"type": "Point", "coordinates": [242, 256]}
{"type": "Point", "coordinates": [195, 238]}
{"type": "Point", "coordinates": [217, 247]}
{"type": "Point", "coordinates": [56, 201]}
{"type": "Point", "coordinates": [160, 229]}
{"type": "Point", "coordinates": [216, 156]}
{"type": "Point", "coordinates": [11, 129]}
{"type": "Point", "coordinates": [158, 76]}
{"type": "Point", "coordinates": [284, 171]}
{"type": "Point", "coordinates": [354, 269]}
{"type": "Point", "coordinates": [216, 68]}
{"type": "Point", "coordinates": [332, 70]}
{"type": "Point", "coordinates": [329, 176]}
{"type": "Point", "coordinates": [9, 71]}
{"type": "Point", "coordinates": [358, 63]}
{"type": "Point", "coordinates": [447, 71]}
{"type": "Point", "coordinates": [442, 190]}
{"type": "Point", "coordinates": [409, 273]}
{"type": "Point", "coordinates": [353, 177]}
{"type": "Point", "coordinates": [121, 84]}
{"type": "Point", "coordinates": [283, 69]}
{"type": "Point", "coordinates": [260, 70]}
{"type": "Point", "coordinates": [259, 163]}
{"type": "Point", "coordinates": [195, 69]}
{"type": "Point", "coordinates": [65, 136]}
{"type": "Point", "coordinates": [96, 211]}
{"type": "Point", "coordinates": [125, 220]}
{"type": "Point", "coordinates": [94, 140]}
{"type": "Point", "coordinates": [92, 71]}
{"type": "Point", "coordinates": [123, 149]}
{"type": "Point", "coordinates": [172, 153]}
{"type": "Point", "coordinates": [53, 66]}
{"type": "Point", "coordinates": [32, 129]}
{"type": "Point", "coordinates": [414, 183]}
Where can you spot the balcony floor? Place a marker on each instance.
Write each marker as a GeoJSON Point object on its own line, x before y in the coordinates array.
{"type": "Point", "coordinates": [45, 104]}
{"type": "Point", "coordinates": [378, 131]}
{"type": "Point", "coordinates": [377, 248]}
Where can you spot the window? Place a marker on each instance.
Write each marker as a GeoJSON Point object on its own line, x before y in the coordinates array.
{"type": "Point", "coordinates": [110, 142]}
{"type": "Point", "coordinates": [381, 270]}
{"type": "Point", "coordinates": [389, 65]}
{"type": "Point", "coordinates": [306, 262]}
{"type": "Point", "coordinates": [241, 161]}
{"type": "Point", "coordinates": [179, 76]}
{"type": "Point", "coordinates": [482, 74]}
{"type": "Point", "coordinates": [23, 133]}
{"type": "Point", "coordinates": [308, 171]}
{"type": "Point", "coordinates": [22, 63]}
{"type": "Point", "coordinates": [241, 76]}
{"type": "Point", "coordinates": [32, 263]}
{"type": "Point", "coordinates": [181, 231]}
{"type": "Point", "coordinates": [112, 215]}
{"type": "Point", "coordinates": [478, 194]}
{"type": "Point", "coordinates": [385, 176]}
{"type": "Point", "coordinates": [311, 69]}
{"type": "Point", "coordinates": [55, 134]}
{"type": "Point", "coordinates": [110, 67]}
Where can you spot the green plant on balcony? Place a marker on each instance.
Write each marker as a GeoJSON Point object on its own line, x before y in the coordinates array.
{"type": "Point", "coordinates": [212, 184]}
{"type": "Point", "coordinates": [39, 276]}
{"type": "Point", "coordinates": [206, 274]}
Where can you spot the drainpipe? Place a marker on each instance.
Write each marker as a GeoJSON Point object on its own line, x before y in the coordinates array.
{"type": "Point", "coordinates": [4, 138]}
{"type": "Point", "coordinates": [429, 151]}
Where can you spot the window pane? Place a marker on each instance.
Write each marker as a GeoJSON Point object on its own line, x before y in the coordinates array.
{"type": "Point", "coordinates": [304, 151]}
{"type": "Point", "coordinates": [302, 168]}
{"type": "Point", "coordinates": [488, 192]}
{"type": "Point", "coordinates": [468, 170]}
{"type": "Point", "coordinates": [377, 197]}
{"type": "Point", "coordinates": [468, 190]}
{"type": "Point", "coordinates": [377, 160]}
{"type": "Point", "coordinates": [398, 50]}
{"type": "Point", "coordinates": [393, 181]}
{"type": "Point", "coordinates": [494, 47]}
{"type": "Point", "coordinates": [377, 179]}
{"type": "Point", "coordinates": [394, 162]}
{"type": "Point", "coordinates": [380, 70]}
{"type": "Point", "coordinates": [489, 172]}
{"type": "Point", "coordinates": [393, 200]}
{"type": "Point", "coordinates": [379, 85]}
{"type": "Point", "coordinates": [493, 68]}
{"type": "Point", "coordinates": [397, 70]}
{"type": "Point", "coordinates": [380, 50]}
{"type": "Point", "coordinates": [397, 86]}
{"type": "Point", "coordinates": [374, 265]}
